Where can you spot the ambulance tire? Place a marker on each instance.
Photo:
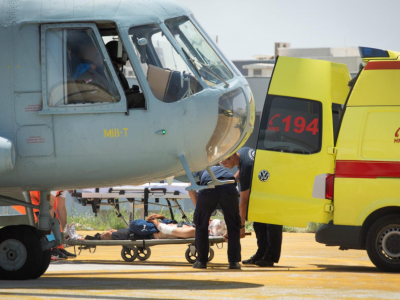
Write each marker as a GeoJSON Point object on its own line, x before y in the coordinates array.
{"type": "Point", "coordinates": [129, 254]}
{"type": "Point", "coordinates": [383, 243]}
{"type": "Point", "coordinates": [21, 254]}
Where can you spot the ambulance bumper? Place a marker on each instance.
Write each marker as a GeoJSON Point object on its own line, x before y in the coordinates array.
{"type": "Point", "coordinates": [346, 237]}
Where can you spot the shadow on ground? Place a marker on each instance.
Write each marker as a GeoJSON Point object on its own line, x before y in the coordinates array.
{"type": "Point", "coordinates": [135, 284]}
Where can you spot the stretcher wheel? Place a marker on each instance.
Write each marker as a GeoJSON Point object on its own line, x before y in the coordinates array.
{"type": "Point", "coordinates": [191, 254]}
{"type": "Point", "coordinates": [143, 253]}
{"type": "Point", "coordinates": [129, 254]}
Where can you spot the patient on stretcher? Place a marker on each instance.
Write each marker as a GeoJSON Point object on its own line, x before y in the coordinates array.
{"type": "Point", "coordinates": [157, 227]}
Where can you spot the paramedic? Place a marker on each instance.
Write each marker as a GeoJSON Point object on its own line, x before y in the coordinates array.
{"type": "Point", "coordinates": [205, 202]}
{"type": "Point", "coordinates": [269, 236]}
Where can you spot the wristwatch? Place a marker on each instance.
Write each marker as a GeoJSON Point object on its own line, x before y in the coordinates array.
{"type": "Point", "coordinates": [242, 226]}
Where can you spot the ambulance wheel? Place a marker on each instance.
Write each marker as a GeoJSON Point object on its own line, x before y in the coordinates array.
{"type": "Point", "coordinates": [21, 254]}
{"type": "Point", "coordinates": [129, 254]}
{"type": "Point", "coordinates": [383, 243]}
{"type": "Point", "coordinates": [144, 253]}
{"type": "Point", "coordinates": [192, 257]}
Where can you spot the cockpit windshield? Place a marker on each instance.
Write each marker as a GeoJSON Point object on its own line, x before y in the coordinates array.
{"type": "Point", "coordinates": [199, 52]}
{"type": "Point", "coordinates": [168, 75]}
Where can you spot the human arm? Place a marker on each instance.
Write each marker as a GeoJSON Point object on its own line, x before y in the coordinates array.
{"type": "Point", "coordinates": [244, 200]}
{"type": "Point", "coordinates": [193, 196]}
{"type": "Point", "coordinates": [237, 176]}
{"type": "Point", "coordinates": [154, 221]}
{"type": "Point", "coordinates": [61, 211]}
{"type": "Point", "coordinates": [154, 217]}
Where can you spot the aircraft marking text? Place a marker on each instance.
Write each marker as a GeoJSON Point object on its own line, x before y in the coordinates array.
{"type": "Point", "coordinates": [115, 132]}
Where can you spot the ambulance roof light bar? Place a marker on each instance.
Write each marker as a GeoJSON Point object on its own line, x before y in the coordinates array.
{"type": "Point", "coordinates": [367, 52]}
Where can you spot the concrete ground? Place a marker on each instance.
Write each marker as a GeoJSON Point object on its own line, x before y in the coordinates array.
{"type": "Point", "coordinates": [307, 270]}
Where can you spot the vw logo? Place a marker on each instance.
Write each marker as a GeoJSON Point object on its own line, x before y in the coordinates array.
{"type": "Point", "coordinates": [263, 175]}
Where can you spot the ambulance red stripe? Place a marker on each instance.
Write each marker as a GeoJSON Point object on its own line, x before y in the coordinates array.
{"type": "Point", "coordinates": [366, 169]}
{"type": "Point", "coordinates": [383, 65]}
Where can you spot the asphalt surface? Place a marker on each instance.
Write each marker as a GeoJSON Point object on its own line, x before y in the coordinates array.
{"type": "Point", "coordinates": [307, 270]}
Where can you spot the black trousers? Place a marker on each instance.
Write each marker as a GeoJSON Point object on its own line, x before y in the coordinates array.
{"type": "Point", "coordinates": [207, 200]}
{"type": "Point", "coordinates": [269, 240]}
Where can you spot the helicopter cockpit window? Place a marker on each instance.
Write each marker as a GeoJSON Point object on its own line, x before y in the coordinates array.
{"type": "Point", "coordinates": [76, 71]}
{"type": "Point", "coordinates": [168, 75]}
{"type": "Point", "coordinates": [199, 51]}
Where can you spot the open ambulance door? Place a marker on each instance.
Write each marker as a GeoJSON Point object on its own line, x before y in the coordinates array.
{"type": "Point", "coordinates": [295, 149]}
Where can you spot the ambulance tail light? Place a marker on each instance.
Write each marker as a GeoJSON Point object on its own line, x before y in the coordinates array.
{"type": "Point", "coordinates": [329, 182]}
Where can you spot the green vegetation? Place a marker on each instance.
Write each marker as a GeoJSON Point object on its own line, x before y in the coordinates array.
{"type": "Point", "coordinates": [107, 219]}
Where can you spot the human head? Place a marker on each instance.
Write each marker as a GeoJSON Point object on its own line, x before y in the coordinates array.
{"type": "Point", "coordinates": [89, 52]}
{"type": "Point", "coordinates": [112, 49]}
{"type": "Point", "coordinates": [231, 161]}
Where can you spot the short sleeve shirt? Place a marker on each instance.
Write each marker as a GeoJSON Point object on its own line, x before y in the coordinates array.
{"type": "Point", "coordinates": [219, 172]}
{"type": "Point", "coordinates": [246, 162]}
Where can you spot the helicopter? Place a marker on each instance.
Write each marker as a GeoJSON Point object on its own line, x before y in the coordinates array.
{"type": "Point", "coordinates": [69, 120]}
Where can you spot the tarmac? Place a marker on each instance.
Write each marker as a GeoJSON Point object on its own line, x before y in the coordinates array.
{"type": "Point", "coordinates": [307, 270]}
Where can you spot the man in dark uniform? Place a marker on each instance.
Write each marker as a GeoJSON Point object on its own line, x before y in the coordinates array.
{"type": "Point", "coordinates": [269, 236]}
{"type": "Point", "coordinates": [134, 98]}
{"type": "Point", "coordinates": [206, 201]}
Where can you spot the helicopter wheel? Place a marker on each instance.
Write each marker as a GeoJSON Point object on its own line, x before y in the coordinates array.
{"type": "Point", "coordinates": [143, 253]}
{"type": "Point", "coordinates": [21, 255]}
{"type": "Point", "coordinates": [129, 254]}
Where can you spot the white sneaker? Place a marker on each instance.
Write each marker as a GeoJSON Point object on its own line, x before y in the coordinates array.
{"type": "Point", "coordinates": [72, 235]}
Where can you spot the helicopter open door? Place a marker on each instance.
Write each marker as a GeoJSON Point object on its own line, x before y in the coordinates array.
{"type": "Point", "coordinates": [295, 149]}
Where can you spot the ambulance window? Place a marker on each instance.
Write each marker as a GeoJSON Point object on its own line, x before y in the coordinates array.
{"type": "Point", "coordinates": [291, 125]}
{"type": "Point", "coordinates": [168, 75]}
{"type": "Point", "coordinates": [337, 110]}
{"type": "Point", "coordinates": [75, 68]}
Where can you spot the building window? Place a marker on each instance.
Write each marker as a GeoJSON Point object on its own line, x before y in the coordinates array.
{"type": "Point", "coordinates": [257, 72]}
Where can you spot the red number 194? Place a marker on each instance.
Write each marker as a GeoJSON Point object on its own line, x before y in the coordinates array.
{"type": "Point", "coordinates": [300, 125]}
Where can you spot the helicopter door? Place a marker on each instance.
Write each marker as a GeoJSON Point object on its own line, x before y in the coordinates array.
{"type": "Point", "coordinates": [295, 144]}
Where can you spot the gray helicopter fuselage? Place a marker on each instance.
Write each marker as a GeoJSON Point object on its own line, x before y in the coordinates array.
{"type": "Point", "coordinates": [71, 146]}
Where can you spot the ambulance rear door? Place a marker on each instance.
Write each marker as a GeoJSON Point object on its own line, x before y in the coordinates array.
{"type": "Point", "coordinates": [295, 149]}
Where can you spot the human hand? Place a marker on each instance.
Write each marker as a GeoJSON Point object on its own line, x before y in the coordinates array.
{"type": "Point", "coordinates": [154, 216]}
{"type": "Point", "coordinates": [225, 236]}
{"type": "Point", "coordinates": [242, 233]}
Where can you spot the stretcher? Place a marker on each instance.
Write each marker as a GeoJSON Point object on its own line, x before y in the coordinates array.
{"type": "Point", "coordinates": [138, 197]}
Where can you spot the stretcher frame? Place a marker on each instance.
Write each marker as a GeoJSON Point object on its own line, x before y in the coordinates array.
{"type": "Point", "coordinates": [132, 249]}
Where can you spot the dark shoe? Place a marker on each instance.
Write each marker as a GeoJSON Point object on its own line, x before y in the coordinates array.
{"type": "Point", "coordinates": [68, 254]}
{"type": "Point", "coordinates": [252, 260]}
{"type": "Point", "coordinates": [199, 265]}
{"type": "Point", "coordinates": [97, 236]}
{"type": "Point", "coordinates": [57, 253]}
{"type": "Point", "coordinates": [234, 265]}
{"type": "Point", "coordinates": [265, 262]}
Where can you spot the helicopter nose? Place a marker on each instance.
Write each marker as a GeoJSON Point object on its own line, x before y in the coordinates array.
{"type": "Point", "coordinates": [236, 113]}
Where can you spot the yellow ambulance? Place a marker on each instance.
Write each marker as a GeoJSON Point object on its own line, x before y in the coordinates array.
{"type": "Point", "coordinates": [331, 155]}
